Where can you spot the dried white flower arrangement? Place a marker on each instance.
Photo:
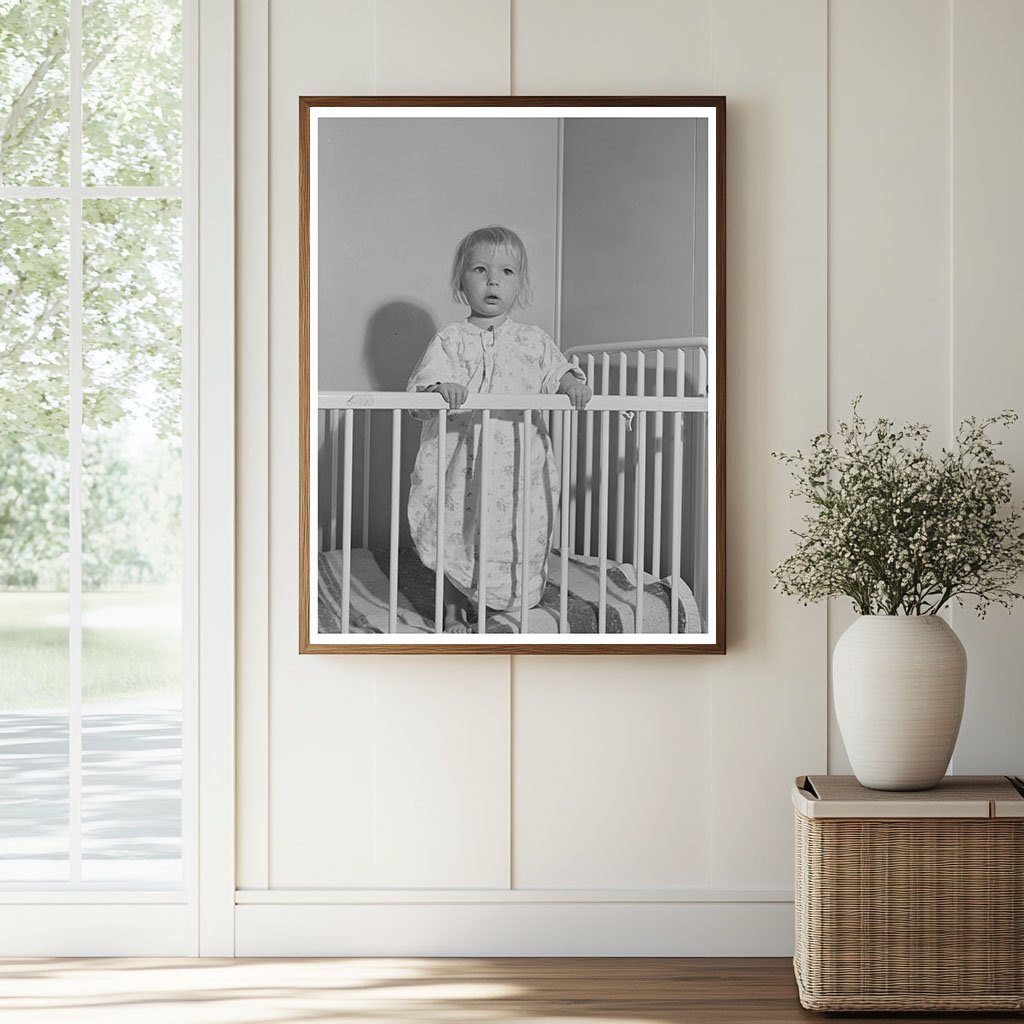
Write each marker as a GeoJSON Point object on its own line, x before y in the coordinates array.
{"type": "Point", "coordinates": [899, 530]}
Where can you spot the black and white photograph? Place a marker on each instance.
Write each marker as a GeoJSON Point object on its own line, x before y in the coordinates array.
{"type": "Point", "coordinates": [511, 356]}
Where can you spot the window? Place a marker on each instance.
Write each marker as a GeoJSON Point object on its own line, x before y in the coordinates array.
{"type": "Point", "coordinates": [95, 455]}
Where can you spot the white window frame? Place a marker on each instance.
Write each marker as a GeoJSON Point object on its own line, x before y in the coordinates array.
{"type": "Point", "coordinates": [216, 394]}
{"type": "Point", "coordinates": [197, 918]}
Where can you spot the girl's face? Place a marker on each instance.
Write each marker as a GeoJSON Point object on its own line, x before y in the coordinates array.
{"type": "Point", "coordinates": [490, 281]}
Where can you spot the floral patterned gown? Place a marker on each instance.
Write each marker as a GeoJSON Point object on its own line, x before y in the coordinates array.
{"type": "Point", "coordinates": [512, 359]}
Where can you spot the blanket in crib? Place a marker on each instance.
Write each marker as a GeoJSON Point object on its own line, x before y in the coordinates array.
{"type": "Point", "coordinates": [368, 597]}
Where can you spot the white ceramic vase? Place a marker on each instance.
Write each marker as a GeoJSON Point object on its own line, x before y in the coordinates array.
{"type": "Point", "coordinates": [898, 684]}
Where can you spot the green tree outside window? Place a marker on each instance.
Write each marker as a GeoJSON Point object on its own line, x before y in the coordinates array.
{"type": "Point", "coordinates": [131, 314]}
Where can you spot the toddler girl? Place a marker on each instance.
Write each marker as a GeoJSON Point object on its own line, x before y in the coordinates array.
{"type": "Point", "coordinates": [488, 352]}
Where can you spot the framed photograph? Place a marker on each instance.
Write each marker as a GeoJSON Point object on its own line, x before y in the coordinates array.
{"type": "Point", "coordinates": [512, 375]}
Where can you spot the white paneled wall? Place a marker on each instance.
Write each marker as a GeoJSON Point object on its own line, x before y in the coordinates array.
{"type": "Point", "coordinates": [607, 48]}
{"type": "Point", "coordinates": [317, 758]}
{"type": "Point", "coordinates": [888, 183]}
{"type": "Point", "coordinates": [442, 797]}
{"type": "Point", "coordinates": [441, 48]}
{"type": "Point", "coordinates": [626, 805]}
{"type": "Point", "coordinates": [888, 223]}
{"type": "Point", "coordinates": [768, 693]}
{"type": "Point", "coordinates": [612, 779]}
{"type": "Point", "coordinates": [987, 355]}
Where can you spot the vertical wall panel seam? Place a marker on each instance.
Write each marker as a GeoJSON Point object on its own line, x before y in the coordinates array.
{"type": "Point", "coordinates": [510, 716]}
{"type": "Point", "coordinates": [559, 233]}
{"type": "Point", "coordinates": [950, 151]}
{"type": "Point", "coordinates": [510, 661]}
{"type": "Point", "coordinates": [265, 694]}
{"type": "Point", "coordinates": [950, 340]}
{"type": "Point", "coordinates": [711, 51]}
{"type": "Point", "coordinates": [375, 787]}
{"type": "Point", "coordinates": [711, 298]}
{"type": "Point", "coordinates": [376, 48]}
{"type": "Point", "coordinates": [828, 319]}
{"type": "Point", "coordinates": [828, 340]}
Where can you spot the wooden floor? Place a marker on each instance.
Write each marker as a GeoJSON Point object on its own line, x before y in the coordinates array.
{"type": "Point", "coordinates": [382, 991]}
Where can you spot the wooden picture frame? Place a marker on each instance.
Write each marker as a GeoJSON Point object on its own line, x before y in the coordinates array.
{"type": "Point", "coordinates": [614, 209]}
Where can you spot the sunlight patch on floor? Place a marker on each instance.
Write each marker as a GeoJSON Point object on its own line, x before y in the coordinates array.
{"type": "Point", "coordinates": [222, 991]}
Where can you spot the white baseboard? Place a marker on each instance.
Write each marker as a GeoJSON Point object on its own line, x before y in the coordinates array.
{"type": "Point", "coordinates": [99, 928]}
{"type": "Point", "coordinates": [519, 928]}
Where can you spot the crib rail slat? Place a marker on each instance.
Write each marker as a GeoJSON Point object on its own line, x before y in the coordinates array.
{"type": "Point", "coordinates": [396, 497]}
{"type": "Point", "coordinates": [620, 467]}
{"type": "Point", "coordinates": [701, 553]}
{"type": "Point", "coordinates": [574, 429]}
{"type": "Point", "coordinates": [346, 529]}
{"type": "Point", "coordinates": [333, 426]}
{"type": "Point", "coordinates": [588, 465]}
{"type": "Point", "coordinates": [368, 422]}
{"type": "Point", "coordinates": [485, 476]}
{"type": "Point", "coordinates": [700, 540]}
{"type": "Point", "coordinates": [659, 443]}
{"type": "Point", "coordinates": [602, 532]}
{"type": "Point", "coordinates": [321, 446]}
{"type": "Point", "coordinates": [555, 429]}
{"type": "Point", "coordinates": [524, 578]}
{"type": "Point", "coordinates": [563, 602]}
{"type": "Point", "coordinates": [639, 541]}
{"type": "Point", "coordinates": [677, 493]}
{"type": "Point", "coordinates": [442, 466]}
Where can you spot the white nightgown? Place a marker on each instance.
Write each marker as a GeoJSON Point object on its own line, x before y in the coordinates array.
{"type": "Point", "coordinates": [513, 359]}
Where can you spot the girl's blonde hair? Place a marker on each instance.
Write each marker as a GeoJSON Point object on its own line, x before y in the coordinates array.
{"type": "Point", "coordinates": [499, 238]}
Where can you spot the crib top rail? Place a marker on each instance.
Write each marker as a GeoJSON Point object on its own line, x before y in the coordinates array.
{"type": "Point", "coordinates": [612, 347]}
{"type": "Point", "coordinates": [511, 403]}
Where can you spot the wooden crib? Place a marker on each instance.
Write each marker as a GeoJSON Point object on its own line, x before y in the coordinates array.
{"type": "Point", "coordinates": [632, 467]}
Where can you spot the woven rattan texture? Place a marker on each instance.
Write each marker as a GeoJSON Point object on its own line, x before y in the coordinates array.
{"type": "Point", "coordinates": [915, 914]}
{"type": "Point", "coordinates": [959, 787]}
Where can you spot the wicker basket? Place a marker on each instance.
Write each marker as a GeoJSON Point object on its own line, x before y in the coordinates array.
{"type": "Point", "coordinates": [910, 901]}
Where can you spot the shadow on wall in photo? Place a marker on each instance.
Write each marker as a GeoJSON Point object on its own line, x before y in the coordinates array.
{"type": "Point", "coordinates": [397, 334]}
